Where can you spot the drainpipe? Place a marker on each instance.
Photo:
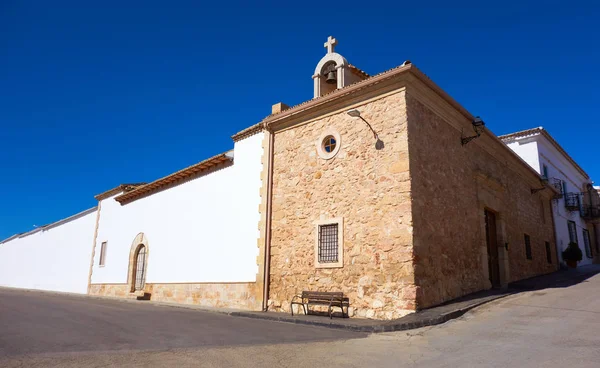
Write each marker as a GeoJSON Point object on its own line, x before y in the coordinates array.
{"type": "Point", "coordinates": [269, 209]}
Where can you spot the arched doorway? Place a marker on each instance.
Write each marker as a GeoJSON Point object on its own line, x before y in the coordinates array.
{"type": "Point", "coordinates": [139, 269]}
{"type": "Point", "coordinates": [138, 264]}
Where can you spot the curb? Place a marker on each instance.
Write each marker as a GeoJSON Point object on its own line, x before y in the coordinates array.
{"type": "Point", "coordinates": [377, 327]}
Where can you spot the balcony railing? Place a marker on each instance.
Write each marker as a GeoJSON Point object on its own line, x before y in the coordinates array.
{"type": "Point", "coordinates": [558, 185]}
{"type": "Point", "coordinates": [590, 212]}
{"type": "Point", "coordinates": [572, 202]}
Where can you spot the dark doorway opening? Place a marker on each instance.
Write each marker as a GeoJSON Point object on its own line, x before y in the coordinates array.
{"type": "Point", "coordinates": [492, 248]}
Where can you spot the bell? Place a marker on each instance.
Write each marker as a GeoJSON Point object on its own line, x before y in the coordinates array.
{"type": "Point", "coordinates": [331, 78]}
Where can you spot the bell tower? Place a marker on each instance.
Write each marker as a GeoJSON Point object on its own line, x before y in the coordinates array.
{"type": "Point", "coordinates": [334, 72]}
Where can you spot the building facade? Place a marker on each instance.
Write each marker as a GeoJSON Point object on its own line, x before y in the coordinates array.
{"type": "Point", "coordinates": [575, 209]}
{"type": "Point", "coordinates": [382, 187]}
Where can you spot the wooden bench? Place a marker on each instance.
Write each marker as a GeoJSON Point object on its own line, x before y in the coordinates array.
{"type": "Point", "coordinates": [330, 299]}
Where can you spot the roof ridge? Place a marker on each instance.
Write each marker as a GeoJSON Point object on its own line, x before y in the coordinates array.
{"type": "Point", "coordinates": [174, 177]}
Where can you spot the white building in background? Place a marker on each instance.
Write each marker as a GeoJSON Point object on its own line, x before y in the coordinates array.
{"type": "Point", "coordinates": [576, 211]}
{"type": "Point", "coordinates": [52, 257]}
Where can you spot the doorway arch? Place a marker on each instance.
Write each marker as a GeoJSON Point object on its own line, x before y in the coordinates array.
{"type": "Point", "coordinates": [138, 264]}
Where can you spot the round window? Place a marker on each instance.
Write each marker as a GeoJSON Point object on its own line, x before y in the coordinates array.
{"type": "Point", "coordinates": [329, 144]}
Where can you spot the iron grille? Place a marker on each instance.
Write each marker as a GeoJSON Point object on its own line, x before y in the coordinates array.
{"type": "Point", "coordinates": [328, 243]}
{"type": "Point", "coordinates": [572, 201]}
{"type": "Point", "coordinates": [590, 212]}
{"type": "Point", "coordinates": [140, 268]}
{"type": "Point", "coordinates": [558, 185]}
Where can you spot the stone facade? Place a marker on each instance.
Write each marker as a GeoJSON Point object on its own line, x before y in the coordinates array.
{"type": "Point", "coordinates": [369, 188]}
{"type": "Point", "coordinates": [413, 209]}
{"type": "Point", "coordinates": [452, 186]}
{"type": "Point", "coordinates": [217, 295]}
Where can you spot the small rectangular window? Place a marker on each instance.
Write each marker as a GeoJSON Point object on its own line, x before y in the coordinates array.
{"type": "Point", "coordinates": [586, 243]}
{"type": "Point", "coordinates": [548, 253]}
{"type": "Point", "coordinates": [102, 254]}
{"type": "Point", "coordinates": [328, 243]}
{"type": "Point", "coordinates": [572, 231]}
{"type": "Point", "coordinates": [528, 247]}
{"type": "Point", "coordinates": [565, 189]}
{"type": "Point", "coordinates": [545, 171]}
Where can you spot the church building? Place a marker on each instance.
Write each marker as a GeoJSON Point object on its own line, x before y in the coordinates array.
{"type": "Point", "coordinates": [380, 186]}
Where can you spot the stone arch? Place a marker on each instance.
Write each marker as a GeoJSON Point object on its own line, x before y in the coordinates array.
{"type": "Point", "coordinates": [320, 87]}
{"type": "Point", "coordinates": [139, 242]}
{"type": "Point", "coordinates": [338, 59]}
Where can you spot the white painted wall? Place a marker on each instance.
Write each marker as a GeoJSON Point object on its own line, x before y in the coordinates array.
{"type": "Point", "coordinates": [203, 230]}
{"type": "Point", "coordinates": [537, 151]}
{"type": "Point", "coordinates": [56, 257]}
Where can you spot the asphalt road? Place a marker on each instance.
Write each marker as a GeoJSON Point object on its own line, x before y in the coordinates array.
{"type": "Point", "coordinates": [34, 323]}
{"type": "Point", "coordinates": [554, 327]}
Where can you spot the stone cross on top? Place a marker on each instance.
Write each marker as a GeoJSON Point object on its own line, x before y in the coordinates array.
{"type": "Point", "coordinates": [330, 44]}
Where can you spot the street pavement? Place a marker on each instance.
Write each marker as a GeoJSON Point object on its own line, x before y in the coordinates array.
{"type": "Point", "coordinates": [552, 327]}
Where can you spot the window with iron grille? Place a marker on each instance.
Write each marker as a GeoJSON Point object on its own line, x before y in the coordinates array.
{"type": "Point", "coordinates": [102, 258]}
{"type": "Point", "coordinates": [586, 243]}
{"type": "Point", "coordinates": [140, 268]}
{"type": "Point", "coordinates": [328, 243]}
{"type": "Point", "coordinates": [528, 247]}
{"type": "Point", "coordinates": [572, 231]}
{"type": "Point", "coordinates": [548, 253]}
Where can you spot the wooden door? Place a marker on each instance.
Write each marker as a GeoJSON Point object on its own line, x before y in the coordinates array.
{"type": "Point", "coordinates": [140, 269]}
{"type": "Point", "coordinates": [492, 248]}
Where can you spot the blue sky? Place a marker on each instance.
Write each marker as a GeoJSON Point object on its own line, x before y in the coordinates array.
{"type": "Point", "coordinates": [95, 96]}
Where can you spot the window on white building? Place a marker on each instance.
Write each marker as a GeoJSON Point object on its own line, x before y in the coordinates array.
{"type": "Point", "coordinates": [572, 231]}
{"type": "Point", "coordinates": [102, 254]}
{"type": "Point", "coordinates": [545, 171]}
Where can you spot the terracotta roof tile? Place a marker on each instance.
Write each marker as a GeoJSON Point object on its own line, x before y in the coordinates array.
{"type": "Point", "coordinates": [358, 72]}
{"type": "Point", "coordinates": [118, 189]}
{"type": "Point", "coordinates": [156, 185]}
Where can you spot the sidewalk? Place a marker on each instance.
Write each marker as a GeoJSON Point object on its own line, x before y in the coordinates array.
{"type": "Point", "coordinates": [428, 317]}
{"type": "Point", "coordinates": [436, 315]}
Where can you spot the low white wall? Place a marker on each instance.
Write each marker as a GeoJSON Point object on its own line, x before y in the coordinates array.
{"type": "Point", "coordinates": [55, 258]}
{"type": "Point", "coordinates": [203, 230]}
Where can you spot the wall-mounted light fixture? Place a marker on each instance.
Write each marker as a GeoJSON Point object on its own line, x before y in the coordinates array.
{"type": "Point", "coordinates": [355, 113]}
{"type": "Point", "coordinates": [544, 182]}
{"type": "Point", "coordinates": [478, 128]}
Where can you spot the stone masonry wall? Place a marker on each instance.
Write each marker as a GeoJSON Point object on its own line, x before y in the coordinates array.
{"type": "Point", "coordinates": [232, 295]}
{"type": "Point", "coordinates": [369, 188]}
{"type": "Point", "coordinates": [452, 186]}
